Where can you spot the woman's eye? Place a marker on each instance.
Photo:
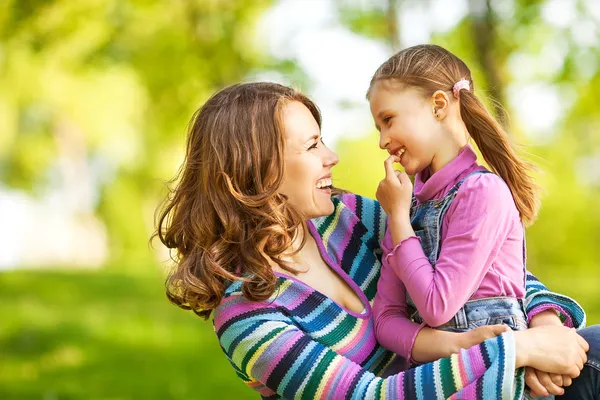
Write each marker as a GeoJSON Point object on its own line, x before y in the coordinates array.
{"type": "Point", "coordinates": [314, 146]}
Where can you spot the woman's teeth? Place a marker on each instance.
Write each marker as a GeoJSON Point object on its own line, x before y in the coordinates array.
{"type": "Point", "coordinates": [324, 183]}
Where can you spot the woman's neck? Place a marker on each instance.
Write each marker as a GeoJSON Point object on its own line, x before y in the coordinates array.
{"type": "Point", "coordinates": [294, 255]}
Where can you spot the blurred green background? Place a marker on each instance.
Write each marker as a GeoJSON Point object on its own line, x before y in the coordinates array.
{"type": "Point", "coordinates": [95, 96]}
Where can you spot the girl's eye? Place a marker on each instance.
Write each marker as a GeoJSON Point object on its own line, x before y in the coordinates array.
{"type": "Point", "coordinates": [387, 119]}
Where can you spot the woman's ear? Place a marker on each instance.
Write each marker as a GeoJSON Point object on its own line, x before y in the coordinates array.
{"type": "Point", "coordinates": [439, 102]}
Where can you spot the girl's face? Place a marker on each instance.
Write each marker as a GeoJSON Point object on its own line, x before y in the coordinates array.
{"type": "Point", "coordinates": [308, 163]}
{"type": "Point", "coordinates": [407, 125]}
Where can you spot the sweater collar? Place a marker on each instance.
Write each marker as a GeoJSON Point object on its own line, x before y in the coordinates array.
{"type": "Point", "coordinates": [428, 186]}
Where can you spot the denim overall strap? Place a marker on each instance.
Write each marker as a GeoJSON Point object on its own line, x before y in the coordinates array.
{"type": "Point", "coordinates": [427, 218]}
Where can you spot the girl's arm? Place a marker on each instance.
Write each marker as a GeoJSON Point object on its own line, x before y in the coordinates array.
{"type": "Point", "coordinates": [394, 329]}
{"type": "Point", "coordinates": [417, 343]}
{"type": "Point", "coordinates": [276, 357]}
{"type": "Point", "coordinates": [480, 217]}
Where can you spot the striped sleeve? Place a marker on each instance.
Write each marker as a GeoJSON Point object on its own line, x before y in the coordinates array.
{"type": "Point", "coordinates": [369, 212]}
{"type": "Point", "coordinates": [538, 298]}
{"type": "Point", "coordinates": [274, 357]}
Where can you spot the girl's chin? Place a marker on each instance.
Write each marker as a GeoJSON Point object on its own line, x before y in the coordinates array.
{"type": "Point", "coordinates": [413, 169]}
{"type": "Point", "coordinates": [410, 170]}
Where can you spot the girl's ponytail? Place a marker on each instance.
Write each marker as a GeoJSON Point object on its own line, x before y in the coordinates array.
{"type": "Point", "coordinates": [494, 144]}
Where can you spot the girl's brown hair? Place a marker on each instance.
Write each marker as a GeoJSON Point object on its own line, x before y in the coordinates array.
{"type": "Point", "coordinates": [225, 219]}
{"type": "Point", "coordinates": [431, 68]}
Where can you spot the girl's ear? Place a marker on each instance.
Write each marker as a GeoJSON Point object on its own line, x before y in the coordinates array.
{"type": "Point", "coordinates": [440, 102]}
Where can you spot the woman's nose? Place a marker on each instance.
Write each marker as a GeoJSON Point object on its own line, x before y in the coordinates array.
{"type": "Point", "coordinates": [331, 158]}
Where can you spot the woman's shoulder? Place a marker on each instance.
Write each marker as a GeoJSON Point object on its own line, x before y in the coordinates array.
{"type": "Point", "coordinates": [352, 210]}
{"type": "Point", "coordinates": [234, 307]}
{"type": "Point", "coordinates": [356, 203]}
{"type": "Point", "coordinates": [362, 211]}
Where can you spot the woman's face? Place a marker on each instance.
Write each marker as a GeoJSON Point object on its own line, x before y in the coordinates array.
{"type": "Point", "coordinates": [308, 163]}
{"type": "Point", "coordinates": [407, 126]}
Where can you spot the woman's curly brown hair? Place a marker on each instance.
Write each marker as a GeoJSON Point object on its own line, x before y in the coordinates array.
{"type": "Point", "coordinates": [225, 219]}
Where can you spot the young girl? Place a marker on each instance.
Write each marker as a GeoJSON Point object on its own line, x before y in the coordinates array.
{"type": "Point", "coordinates": [454, 252]}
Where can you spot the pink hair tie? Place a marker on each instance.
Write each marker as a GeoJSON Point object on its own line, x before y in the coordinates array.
{"type": "Point", "coordinates": [458, 86]}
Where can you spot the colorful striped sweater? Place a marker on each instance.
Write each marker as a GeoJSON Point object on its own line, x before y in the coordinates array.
{"type": "Point", "coordinates": [301, 344]}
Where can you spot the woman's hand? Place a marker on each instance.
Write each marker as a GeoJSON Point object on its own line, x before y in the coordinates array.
{"type": "Point", "coordinates": [554, 349]}
{"type": "Point", "coordinates": [542, 383]}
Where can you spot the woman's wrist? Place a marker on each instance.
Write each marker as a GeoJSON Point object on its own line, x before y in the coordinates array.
{"type": "Point", "coordinates": [522, 348]}
{"type": "Point", "coordinates": [546, 317]}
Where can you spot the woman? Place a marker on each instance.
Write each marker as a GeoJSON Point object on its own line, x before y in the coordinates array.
{"type": "Point", "coordinates": [290, 271]}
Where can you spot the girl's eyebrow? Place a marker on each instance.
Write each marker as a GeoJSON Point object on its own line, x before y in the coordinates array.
{"type": "Point", "coordinates": [380, 113]}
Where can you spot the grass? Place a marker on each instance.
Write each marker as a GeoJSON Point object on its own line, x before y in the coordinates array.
{"type": "Point", "coordinates": [112, 335]}
{"type": "Point", "coordinates": [105, 335]}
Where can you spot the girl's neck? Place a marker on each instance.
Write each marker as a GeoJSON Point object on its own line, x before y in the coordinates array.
{"type": "Point", "coordinates": [458, 138]}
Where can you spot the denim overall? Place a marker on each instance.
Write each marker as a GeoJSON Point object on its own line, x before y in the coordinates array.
{"type": "Point", "coordinates": [426, 219]}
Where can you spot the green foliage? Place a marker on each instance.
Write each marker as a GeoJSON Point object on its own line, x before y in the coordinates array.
{"type": "Point", "coordinates": [124, 79]}
{"type": "Point", "coordinates": [117, 81]}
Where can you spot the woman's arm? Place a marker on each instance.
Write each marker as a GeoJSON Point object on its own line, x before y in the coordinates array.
{"type": "Point", "coordinates": [274, 355]}
{"type": "Point", "coordinates": [539, 299]}
{"type": "Point", "coordinates": [547, 308]}
{"type": "Point", "coordinates": [555, 349]}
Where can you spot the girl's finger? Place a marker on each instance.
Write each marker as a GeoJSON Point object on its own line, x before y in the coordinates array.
{"type": "Point", "coordinates": [550, 386]}
{"type": "Point", "coordinates": [388, 164]}
{"type": "Point", "coordinates": [531, 379]}
{"type": "Point", "coordinates": [557, 379]}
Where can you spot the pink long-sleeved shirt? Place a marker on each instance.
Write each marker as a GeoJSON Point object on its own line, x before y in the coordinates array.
{"type": "Point", "coordinates": [481, 255]}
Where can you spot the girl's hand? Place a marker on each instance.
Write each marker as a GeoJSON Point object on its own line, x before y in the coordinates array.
{"type": "Point", "coordinates": [432, 344]}
{"type": "Point", "coordinates": [394, 192]}
{"type": "Point", "coordinates": [543, 384]}
{"type": "Point", "coordinates": [554, 349]}
{"type": "Point", "coordinates": [480, 335]}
